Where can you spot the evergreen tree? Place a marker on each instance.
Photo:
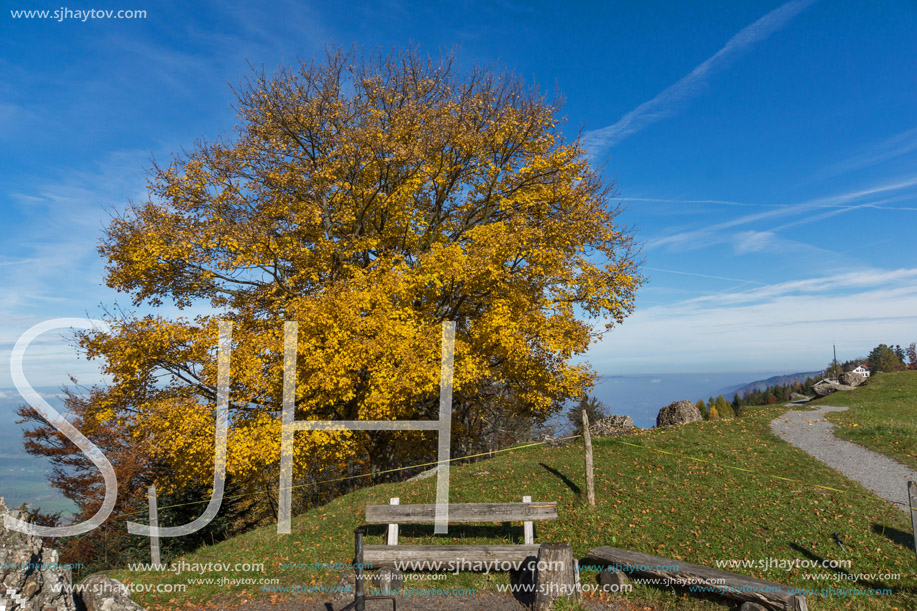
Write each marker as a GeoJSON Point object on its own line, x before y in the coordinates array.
{"type": "Point", "coordinates": [883, 358]}
{"type": "Point", "coordinates": [595, 409]}
{"type": "Point", "coordinates": [702, 408]}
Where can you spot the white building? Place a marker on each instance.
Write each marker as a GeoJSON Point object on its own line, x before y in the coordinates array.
{"type": "Point", "coordinates": [860, 370]}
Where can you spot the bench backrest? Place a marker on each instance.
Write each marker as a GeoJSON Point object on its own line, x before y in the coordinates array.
{"type": "Point", "coordinates": [462, 513]}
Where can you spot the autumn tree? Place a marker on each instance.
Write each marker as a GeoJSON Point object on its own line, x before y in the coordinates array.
{"type": "Point", "coordinates": [723, 409]}
{"type": "Point", "coordinates": [76, 478]}
{"type": "Point", "coordinates": [369, 199]}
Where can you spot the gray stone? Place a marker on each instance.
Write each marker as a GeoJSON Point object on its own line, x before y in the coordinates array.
{"type": "Point", "coordinates": [388, 580]}
{"type": "Point", "coordinates": [31, 574]}
{"type": "Point", "coordinates": [851, 379]}
{"type": "Point", "coordinates": [795, 396]}
{"type": "Point", "coordinates": [612, 581]}
{"type": "Point", "coordinates": [825, 388]}
{"type": "Point", "coordinates": [750, 606]}
{"type": "Point", "coordinates": [33, 578]}
{"type": "Point", "coordinates": [343, 589]}
{"type": "Point", "coordinates": [102, 593]}
{"type": "Point", "coordinates": [612, 426]}
{"type": "Point", "coordinates": [680, 412]}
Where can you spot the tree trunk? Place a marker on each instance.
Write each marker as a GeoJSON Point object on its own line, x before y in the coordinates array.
{"type": "Point", "coordinates": [555, 575]}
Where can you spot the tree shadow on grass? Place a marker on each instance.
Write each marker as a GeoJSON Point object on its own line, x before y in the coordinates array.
{"type": "Point", "coordinates": [566, 480]}
{"type": "Point", "coordinates": [847, 578]}
{"type": "Point", "coordinates": [900, 537]}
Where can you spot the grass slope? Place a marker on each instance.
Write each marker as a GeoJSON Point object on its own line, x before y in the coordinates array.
{"type": "Point", "coordinates": [743, 495]}
{"type": "Point", "coordinates": [882, 415]}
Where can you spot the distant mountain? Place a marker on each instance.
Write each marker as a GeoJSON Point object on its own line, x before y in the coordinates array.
{"type": "Point", "coordinates": [780, 380]}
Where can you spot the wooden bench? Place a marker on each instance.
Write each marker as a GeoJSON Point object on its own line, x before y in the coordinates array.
{"type": "Point", "coordinates": [713, 581]}
{"type": "Point", "coordinates": [394, 514]}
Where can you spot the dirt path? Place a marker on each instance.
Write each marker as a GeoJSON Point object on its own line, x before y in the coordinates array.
{"type": "Point", "coordinates": [810, 432]}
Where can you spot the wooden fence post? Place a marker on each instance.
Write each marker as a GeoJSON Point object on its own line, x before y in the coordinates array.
{"type": "Point", "coordinates": [590, 477]}
{"type": "Point", "coordinates": [912, 501]}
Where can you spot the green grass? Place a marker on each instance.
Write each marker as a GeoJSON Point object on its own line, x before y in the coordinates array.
{"type": "Point", "coordinates": [745, 494]}
{"type": "Point", "coordinates": [882, 415]}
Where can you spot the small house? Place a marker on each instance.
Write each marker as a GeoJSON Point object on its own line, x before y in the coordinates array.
{"type": "Point", "coordinates": [861, 370]}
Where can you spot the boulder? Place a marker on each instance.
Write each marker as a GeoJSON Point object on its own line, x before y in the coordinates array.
{"type": "Point", "coordinates": [31, 575]}
{"type": "Point", "coordinates": [750, 606]}
{"type": "Point", "coordinates": [825, 388]}
{"type": "Point", "coordinates": [611, 426]}
{"type": "Point", "coordinates": [851, 379]}
{"type": "Point", "coordinates": [102, 593]}
{"type": "Point", "coordinates": [795, 396]}
{"type": "Point", "coordinates": [613, 581]}
{"type": "Point", "coordinates": [680, 412]}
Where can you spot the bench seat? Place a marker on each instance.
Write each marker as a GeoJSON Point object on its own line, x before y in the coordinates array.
{"type": "Point", "coordinates": [387, 555]}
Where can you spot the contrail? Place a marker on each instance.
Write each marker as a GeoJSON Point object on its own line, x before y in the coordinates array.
{"type": "Point", "coordinates": [667, 101]}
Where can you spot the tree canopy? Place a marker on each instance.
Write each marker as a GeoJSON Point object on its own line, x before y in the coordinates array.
{"type": "Point", "coordinates": [368, 198]}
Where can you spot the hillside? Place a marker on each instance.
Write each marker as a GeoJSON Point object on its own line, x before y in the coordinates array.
{"type": "Point", "coordinates": [744, 495]}
{"type": "Point", "coordinates": [882, 415]}
{"type": "Point", "coordinates": [778, 380]}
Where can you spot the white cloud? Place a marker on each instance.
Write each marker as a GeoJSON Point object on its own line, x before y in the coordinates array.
{"type": "Point", "coordinates": [896, 146]}
{"type": "Point", "coordinates": [753, 241]}
{"type": "Point", "coordinates": [838, 204]}
{"type": "Point", "coordinates": [785, 326]}
{"type": "Point", "coordinates": [666, 102]}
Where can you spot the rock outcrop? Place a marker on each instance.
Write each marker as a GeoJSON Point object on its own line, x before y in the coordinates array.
{"type": "Point", "coordinates": [827, 387]}
{"type": "Point", "coordinates": [851, 379]}
{"type": "Point", "coordinates": [31, 576]}
{"type": "Point", "coordinates": [102, 593]}
{"type": "Point", "coordinates": [680, 412]}
{"type": "Point", "coordinates": [611, 426]}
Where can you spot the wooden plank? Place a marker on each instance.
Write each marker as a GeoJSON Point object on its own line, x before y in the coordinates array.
{"type": "Point", "coordinates": [729, 585]}
{"type": "Point", "coordinates": [393, 528]}
{"type": "Point", "coordinates": [461, 513]}
{"type": "Point", "coordinates": [590, 477]}
{"type": "Point", "coordinates": [528, 528]}
{"type": "Point", "coordinates": [458, 555]}
{"type": "Point", "coordinates": [912, 499]}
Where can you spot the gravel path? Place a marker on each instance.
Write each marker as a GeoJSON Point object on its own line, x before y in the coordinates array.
{"type": "Point", "coordinates": [810, 432]}
{"type": "Point", "coordinates": [480, 602]}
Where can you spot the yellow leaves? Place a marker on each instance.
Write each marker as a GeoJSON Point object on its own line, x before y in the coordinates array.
{"type": "Point", "coordinates": [369, 214]}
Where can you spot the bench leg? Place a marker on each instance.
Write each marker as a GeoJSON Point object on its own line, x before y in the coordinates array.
{"type": "Point", "coordinates": [359, 593]}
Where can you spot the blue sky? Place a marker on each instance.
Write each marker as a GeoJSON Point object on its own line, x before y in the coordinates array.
{"type": "Point", "coordinates": [766, 152]}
